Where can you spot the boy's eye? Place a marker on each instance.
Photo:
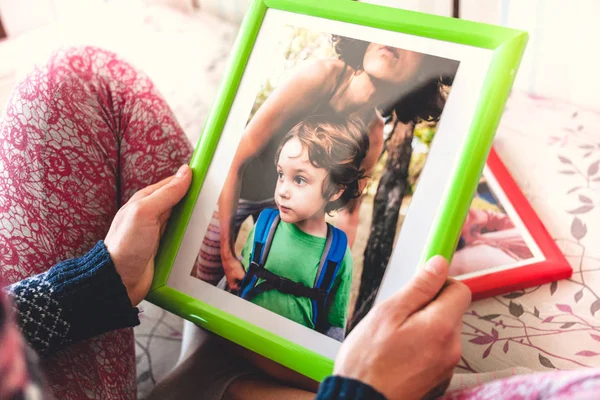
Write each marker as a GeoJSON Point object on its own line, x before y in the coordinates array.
{"type": "Point", "coordinates": [280, 175]}
{"type": "Point", "coordinates": [299, 180]}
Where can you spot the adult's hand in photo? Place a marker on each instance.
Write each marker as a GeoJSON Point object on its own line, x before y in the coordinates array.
{"type": "Point", "coordinates": [408, 345]}
{"type": "Point", "coordinates": [134, 235]}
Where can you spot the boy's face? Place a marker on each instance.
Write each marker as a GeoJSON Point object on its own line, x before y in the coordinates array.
{"type": "Point", "coordinates": [299, 191]}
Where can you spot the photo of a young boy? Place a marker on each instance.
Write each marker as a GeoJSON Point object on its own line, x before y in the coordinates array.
{"type": "Point", "coordinates": [318, 166]}
{"type": "Point", "coordinates": [350, 109]}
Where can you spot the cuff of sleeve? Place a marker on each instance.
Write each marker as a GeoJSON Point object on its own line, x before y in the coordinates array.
{"type": "Point", "coordinates": [336, 387]}
{"type": "Point", "coordinates": [90, 291]}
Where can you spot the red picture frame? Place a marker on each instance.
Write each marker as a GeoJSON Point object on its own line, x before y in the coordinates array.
{"type": "Point", "coordinates": [552, 267]}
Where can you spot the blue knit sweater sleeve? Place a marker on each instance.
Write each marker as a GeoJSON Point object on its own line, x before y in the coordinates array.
{"type": "Point", "coordinates": [74, 300]}
{"type": "Point", "coordinates": [338, 388]}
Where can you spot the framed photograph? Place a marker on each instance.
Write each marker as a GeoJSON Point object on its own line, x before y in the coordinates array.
{"type": "Point", "coordinates": [503, 245]}
{"type": "Point", "coordinates": [343, 150]}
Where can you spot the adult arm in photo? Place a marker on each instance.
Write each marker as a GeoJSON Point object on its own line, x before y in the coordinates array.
{"type": "Point", "coordinates": [497, 221]}
{"type": "Point", "coordinates": [289, 101]}
{"type": "Point", "coordinates": [511, 234]}
{"type": "Point", "coordinates": [477, 258]}
{"type": "Point", "coordinates": [510, 240]}
{"type": "Point", "coordinates": [480, 221]}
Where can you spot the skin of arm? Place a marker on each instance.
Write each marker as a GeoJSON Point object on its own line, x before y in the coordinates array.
{"type": "Point", "coordinates": [498, 221]}
{"type": "Point", "coordinates": [290, 100]}
{"type": "Point", "coordinates": [477, 258]}
{"type": "Point", "coordinates": [481, 222]}
{"type": "Point", "coordinates": [506, 234]}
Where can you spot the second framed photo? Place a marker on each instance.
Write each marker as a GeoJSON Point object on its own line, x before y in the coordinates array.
{"type": "Point", "coordinates": [503, 245]}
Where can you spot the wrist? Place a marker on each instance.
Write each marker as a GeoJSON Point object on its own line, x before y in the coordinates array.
{"type": "Point", "coordinates": [134, 294]}
{"type": "Point", "coordinates": [74, 300]}
{"type": "Point", "coordinates": [138, 288]}
{"type": "Point", "coordinates": [339, 387]}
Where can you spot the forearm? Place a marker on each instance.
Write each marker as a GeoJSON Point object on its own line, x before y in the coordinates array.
{"type": "Point", "coordinates": [74, 300]}
{"type": "Point", "coordinates": [510, 234]}
{"type": "Point", "coordinates": [228, 203]}
{"type": "Point", "coordinates": [498, 221]}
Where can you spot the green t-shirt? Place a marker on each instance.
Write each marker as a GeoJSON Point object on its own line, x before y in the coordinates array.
{"type": "Point", "coordinates": [295, 255]}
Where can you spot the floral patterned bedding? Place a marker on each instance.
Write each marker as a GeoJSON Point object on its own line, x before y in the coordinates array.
{"type": "Point", "coordinates": [552, 149]}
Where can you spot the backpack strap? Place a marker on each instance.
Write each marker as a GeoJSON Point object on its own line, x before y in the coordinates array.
{"type": "Point", "coordinates": [331, 260]}
{"type": "Point", "coordinates": [264, 230]}
{"type": "Point", "coordinates": [272, 281]}
{"type": "Point", "coordinates": [335, 249]}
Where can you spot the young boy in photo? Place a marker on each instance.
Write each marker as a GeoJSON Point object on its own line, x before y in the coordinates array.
{"type": "Point", "coordinates": [318, 171]}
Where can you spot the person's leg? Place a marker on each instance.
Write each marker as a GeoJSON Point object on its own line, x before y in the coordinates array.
{"type": "Point", "coordinates": [214, 371]}
{"type": "Point", "coordinates": [80, 136]}
{"type": "Point", "coordinates": [264, 388]}
{"type": "Point", "coordinates": [205, 374]}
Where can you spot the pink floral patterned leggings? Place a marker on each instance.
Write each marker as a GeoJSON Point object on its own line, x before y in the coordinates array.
{"type": "Point", "coordinates": [80, 136]}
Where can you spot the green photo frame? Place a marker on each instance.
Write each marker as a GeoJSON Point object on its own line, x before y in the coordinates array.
{"type": "Point", "coordinates": [489, 60]}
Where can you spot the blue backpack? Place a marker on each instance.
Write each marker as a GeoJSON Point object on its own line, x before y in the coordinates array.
{"type": "Point", "coordinates": [333, 254]}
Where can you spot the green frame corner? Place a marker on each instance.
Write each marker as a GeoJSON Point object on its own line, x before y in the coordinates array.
{"type": "Point", "coordinates": [507, 46]}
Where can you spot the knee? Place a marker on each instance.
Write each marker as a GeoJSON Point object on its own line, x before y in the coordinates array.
{"type": "Point", "coordinates": [77, 60]}
{"type": "Point", "coordinates": [90, 64]}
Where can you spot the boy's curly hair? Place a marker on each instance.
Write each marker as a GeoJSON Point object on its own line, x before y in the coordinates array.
{"type": "Point", "coordinates": [339, 145]}
{"type": "Point", "coordinates": [423, 101]}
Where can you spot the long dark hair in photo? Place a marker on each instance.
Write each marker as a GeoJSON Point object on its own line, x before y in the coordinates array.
{"type": "Point", "coordinates": [422, 98]}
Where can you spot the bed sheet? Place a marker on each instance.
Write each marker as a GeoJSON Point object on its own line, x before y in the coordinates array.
{"type": "Point", "coordinates": [552, 149]}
